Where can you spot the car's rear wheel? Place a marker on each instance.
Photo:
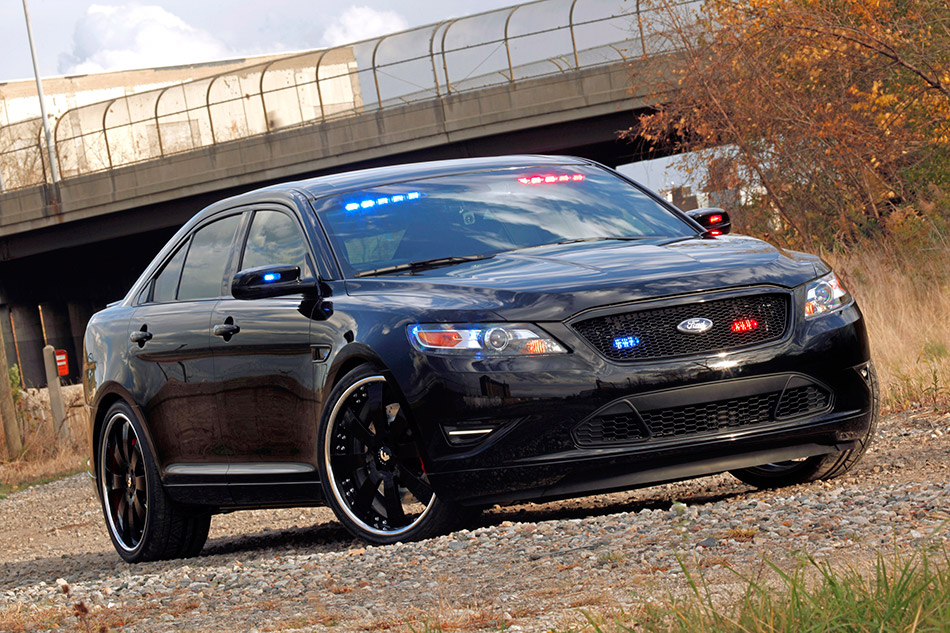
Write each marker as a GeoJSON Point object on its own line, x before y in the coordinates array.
{"type": "Point", "coordinates": [143, 523]}
{"type": "Point", "coordinates": [789, 473]}
{"type": "Point", "coordinates": [371, 468]}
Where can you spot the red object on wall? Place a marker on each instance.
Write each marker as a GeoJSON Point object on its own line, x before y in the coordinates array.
{"type": "Point", "coordinates": [62, 364]}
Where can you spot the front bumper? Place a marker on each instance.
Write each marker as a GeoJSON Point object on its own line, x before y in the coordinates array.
{"type": "Point", "coordinates": [535, 406]}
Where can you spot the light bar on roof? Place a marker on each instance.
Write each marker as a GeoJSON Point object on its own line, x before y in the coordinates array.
{"type": "Point", "coordinates": [369, 203]}
{"type": "Point", "coordinates": [548, 179]}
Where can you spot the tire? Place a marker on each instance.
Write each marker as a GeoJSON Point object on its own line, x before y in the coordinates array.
{"type": "Point", "coordinates": [370, 466]}
{"type": "Point", "coordinates": [819, 467]}
{"type": "Point", "coordinates": [143, 522]}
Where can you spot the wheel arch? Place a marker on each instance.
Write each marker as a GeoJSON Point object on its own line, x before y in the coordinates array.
{"type": "Point", "coordinates": [107, 396]}
{"type": "Point", "coordinates": [348, 359]}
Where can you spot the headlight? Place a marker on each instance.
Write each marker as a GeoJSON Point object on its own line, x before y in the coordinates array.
{"type": "Point", "coordinates": [485, 339]}
{"type": "Point", "coordinates": [825, 294]}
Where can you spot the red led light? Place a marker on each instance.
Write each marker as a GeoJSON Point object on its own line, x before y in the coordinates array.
{"type": "Point", "coordinates": [548, 179]}
{"type": "Point", "coordinates": [744, 325]}
{"type": "Point", "coordinates": [715, 232]}
{"type": "Point", "coordinates": [715, 219]}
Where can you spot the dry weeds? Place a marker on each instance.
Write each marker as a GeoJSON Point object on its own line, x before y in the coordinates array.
{"type": "Point", "coordinates": [906, 309]}
{"type": "Point", "coordinates": [44, 456]}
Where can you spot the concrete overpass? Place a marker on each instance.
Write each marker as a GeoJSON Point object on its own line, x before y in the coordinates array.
{"type": "Point", "coordinates": [536, 78]}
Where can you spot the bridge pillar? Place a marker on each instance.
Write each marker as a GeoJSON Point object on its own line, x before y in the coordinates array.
{"type": "Point", "coordinates": [28, 332]}
{"type": "Point", "coordinates": [79, 314]}
{"type": "Point", "coordinates": [58, 332]}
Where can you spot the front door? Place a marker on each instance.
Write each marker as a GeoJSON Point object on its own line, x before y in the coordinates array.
{"type": "Point", "coordinates": [264, 364]}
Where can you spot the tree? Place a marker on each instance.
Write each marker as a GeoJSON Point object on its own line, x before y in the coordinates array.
{"type": "Point", "coordinates": [11, 429]}
{"type": "Point", "coordinates": [835, 113]}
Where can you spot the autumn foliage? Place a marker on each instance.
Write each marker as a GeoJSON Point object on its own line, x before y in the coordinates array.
{"type": "Point", "coordinates": [832, 116]}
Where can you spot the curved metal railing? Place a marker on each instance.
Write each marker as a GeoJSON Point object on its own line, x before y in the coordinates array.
{"type": "Point", "coordinates": [454, 56]}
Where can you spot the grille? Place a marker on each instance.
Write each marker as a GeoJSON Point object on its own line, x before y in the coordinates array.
{"type": "Point", "coordinates": [706, 417]}
{"type": "Point", "coordinates": [711, 416]}
{"type": "Point", "coordinates": [656, 336]}
{"type": "Point", "coordinates": [802, 400]}
{"type": "Point", "coordinates": [610, 429]}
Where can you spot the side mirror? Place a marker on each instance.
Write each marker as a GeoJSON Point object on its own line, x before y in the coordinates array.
{"type": "Point", "coordinates": [716, 221]}
{"type": "Point", "coordinates": [269, 281]}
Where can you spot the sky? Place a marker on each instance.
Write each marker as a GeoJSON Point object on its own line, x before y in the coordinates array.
{"type": "Point", "coordinates": [78, 36]}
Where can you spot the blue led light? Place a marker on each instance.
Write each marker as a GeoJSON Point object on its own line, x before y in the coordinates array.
{"type": "Point", "coordinates": [269, 277]}
{"type": "Point", "coordinates": [378, 202]}
{"type": "Point", "coordinates": [626, 342]}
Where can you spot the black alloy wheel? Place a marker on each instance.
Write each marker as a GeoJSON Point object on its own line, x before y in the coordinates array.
{"type": "Point", "coordinates": [371, 468]}
{"type": "Point", "coordinates": [124, 484]}
{"type": "Point", "coordinates": [143, 523]}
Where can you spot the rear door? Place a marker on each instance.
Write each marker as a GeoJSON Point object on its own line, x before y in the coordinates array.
{"type": "Point", "coordinates": [170, 351]}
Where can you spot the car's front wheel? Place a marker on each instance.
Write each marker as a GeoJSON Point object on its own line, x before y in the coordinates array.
{"type": "Point", "coordinates": [143, 523]}
{"type": "Point", "coordinates": [789, 473]}
{"type": "Point", "coordinates": [371, 468]}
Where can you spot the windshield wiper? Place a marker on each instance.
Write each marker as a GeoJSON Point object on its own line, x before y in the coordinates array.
{"type": "Point", "coordinates": [423, 264]}
{"type": "Point", "coordinates": [598, 239]}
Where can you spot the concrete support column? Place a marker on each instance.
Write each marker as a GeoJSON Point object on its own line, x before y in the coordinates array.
{"type": "Point", "coordinates": [29, 340]}
{"type": "Point", "coordinates": [59, 333]}
{"type": "Point", "coordinates": [79, 314]}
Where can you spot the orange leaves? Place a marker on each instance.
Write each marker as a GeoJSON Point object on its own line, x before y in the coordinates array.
{"type": "Point", "coordinates": [823, 106]}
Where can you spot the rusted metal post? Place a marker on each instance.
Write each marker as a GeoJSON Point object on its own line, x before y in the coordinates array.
{"type": "Point", "coordinates": [55, 393]}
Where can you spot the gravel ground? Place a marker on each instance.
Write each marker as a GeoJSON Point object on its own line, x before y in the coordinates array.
{"type": "Point", "coordinates": [527, 567]}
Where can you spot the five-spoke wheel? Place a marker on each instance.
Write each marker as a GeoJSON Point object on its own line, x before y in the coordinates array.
{"type": "Point", "coordinates": [373, 474]}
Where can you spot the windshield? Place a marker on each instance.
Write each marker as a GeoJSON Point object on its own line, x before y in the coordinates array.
{"type": "Point", "coordinates": [484, 213]}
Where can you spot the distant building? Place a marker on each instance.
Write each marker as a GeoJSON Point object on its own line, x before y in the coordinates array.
{"type": "Point", "coordinates": [103, 121]}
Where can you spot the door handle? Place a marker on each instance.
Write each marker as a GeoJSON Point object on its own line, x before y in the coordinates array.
{"type": "Point", "coordinates": [227, 330]}
{"type": "Point", "coordinates": [141, 337]}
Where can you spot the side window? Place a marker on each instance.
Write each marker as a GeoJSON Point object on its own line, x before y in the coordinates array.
{"type": "Point", "coordinates": [207, 259]}
{"type": "Point", "coordinates": [166, 284]}
{"type": "Point", "coordinates": [275, 238]}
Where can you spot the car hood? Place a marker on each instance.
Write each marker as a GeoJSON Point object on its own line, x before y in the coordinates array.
{"type": "Point", "coordinates": [551, 283]}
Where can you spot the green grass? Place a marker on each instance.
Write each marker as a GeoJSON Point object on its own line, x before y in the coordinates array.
{"type": "Point", "coordinates": [896, 594]}
{"type": "Point", "coordinates": [906, 594]}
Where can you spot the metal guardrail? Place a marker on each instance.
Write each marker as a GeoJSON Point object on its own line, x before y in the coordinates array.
{"type": "Point", "coordinates": [454, 56]}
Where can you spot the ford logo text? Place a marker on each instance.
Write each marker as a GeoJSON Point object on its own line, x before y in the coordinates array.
{"type": "Point", "coordinates": [696, 325]}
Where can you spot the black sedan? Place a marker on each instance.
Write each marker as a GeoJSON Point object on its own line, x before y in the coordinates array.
{"type": "Point", "coordinates": [410, 344]}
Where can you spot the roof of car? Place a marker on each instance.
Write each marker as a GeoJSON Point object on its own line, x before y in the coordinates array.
{"type": "Point", "coordinates": [346, 181]}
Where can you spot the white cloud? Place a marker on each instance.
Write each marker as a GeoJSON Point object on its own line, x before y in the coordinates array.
{"type": "Point", "coordinates": [360, 23]}
{"type": "Point", "coordinates": [120, 37]}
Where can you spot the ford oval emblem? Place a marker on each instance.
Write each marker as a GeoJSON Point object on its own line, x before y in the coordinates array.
{"type": "Point", "coordinates": [696, 325]}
